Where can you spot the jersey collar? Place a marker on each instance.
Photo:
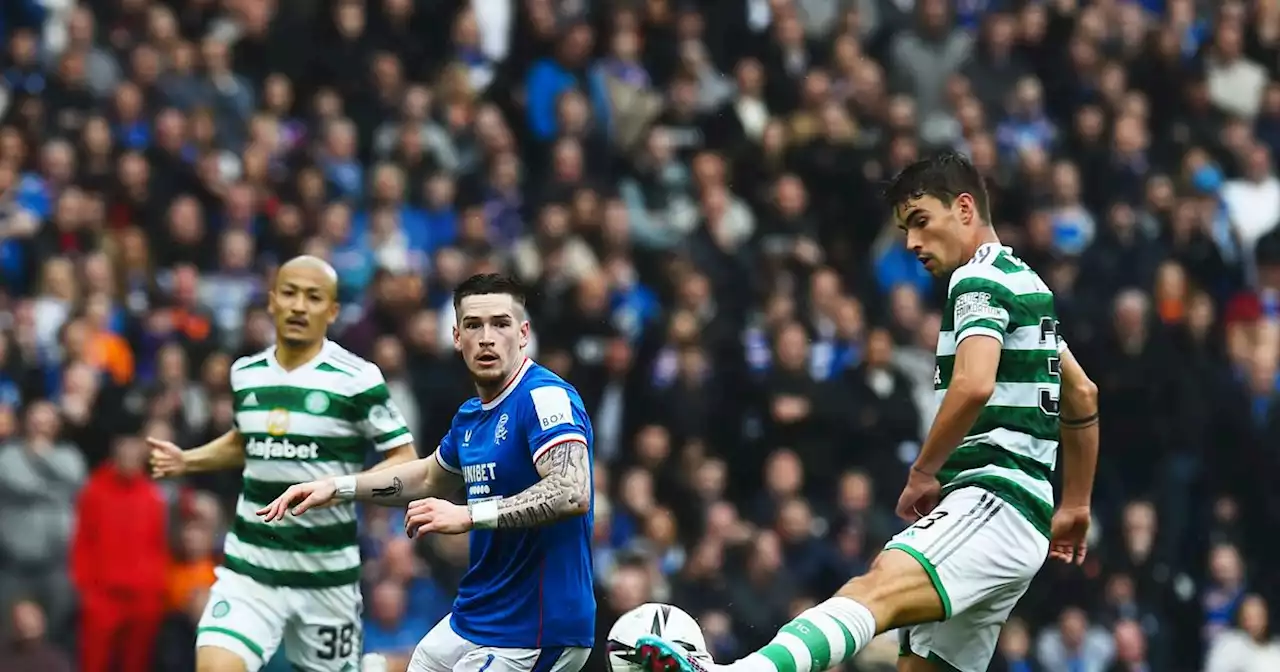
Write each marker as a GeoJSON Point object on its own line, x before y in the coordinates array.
{"type": "Point", "coordinates": [311, 363]}
{"type": "Point", "coordinates": [995, 248]}
{"type": "Point", "coordinates": [509, 387]}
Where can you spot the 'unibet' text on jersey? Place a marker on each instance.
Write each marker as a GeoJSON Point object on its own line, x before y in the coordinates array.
{"type": "Point", "coordinates": [527, 588]}
{"type": "Point", "coordinates": [1013, 446]}
{"type": "Point", "coordinates": [314, 422]}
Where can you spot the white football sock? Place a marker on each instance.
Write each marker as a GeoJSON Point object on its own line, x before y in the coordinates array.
{"type": "Point", "coordinates": [817, 640]}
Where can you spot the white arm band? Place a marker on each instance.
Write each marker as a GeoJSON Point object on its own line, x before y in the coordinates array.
{"type": "Point", "coordinates": [484, 515]}
{"type": "Point", "coordinates": [345, 488]}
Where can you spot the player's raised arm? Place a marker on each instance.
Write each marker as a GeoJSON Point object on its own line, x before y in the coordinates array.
{"type": "Point", "coordinates": [224, 452]}
{"type": "Point", "coordinates": [1078, 423]}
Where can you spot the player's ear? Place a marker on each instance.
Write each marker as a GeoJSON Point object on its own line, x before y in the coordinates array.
{"type": "Point", "coordinates": [524, 334]}
{"type": "Point", "coordinates": [271, 302]}
{"type": "Point", "coordinates": [965, 208]}
{"type": "Point", "coordinates": [334, 311]}
{"type": "Point", "coordinates": [457, 339]}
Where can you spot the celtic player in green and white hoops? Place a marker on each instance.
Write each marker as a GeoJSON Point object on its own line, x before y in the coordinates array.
{"type": "Point", "coordinates": [979, 495]}
{"type": "Point", "coordinates": [304, 409]}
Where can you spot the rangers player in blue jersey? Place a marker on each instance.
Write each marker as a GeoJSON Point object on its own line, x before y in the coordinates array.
{"type": "Point", "coordinates": [522, 449]}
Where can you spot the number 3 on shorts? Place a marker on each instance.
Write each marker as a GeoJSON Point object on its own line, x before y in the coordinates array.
{"type": "Point", "coordinates": [929, 520]}
{"type": "Point", "coordinates": [335, 642]}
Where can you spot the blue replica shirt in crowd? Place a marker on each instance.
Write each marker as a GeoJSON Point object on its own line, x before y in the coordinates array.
{"type": "Point", "coordinates": [528, 588]}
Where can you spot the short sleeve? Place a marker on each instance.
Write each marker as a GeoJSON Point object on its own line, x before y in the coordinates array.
{"type": "Point", "coordinates": [554, 418]}
{"type": "Point", "coordinates": [980, 306]}
{"type": "Point", "coordinates": [379, 420]}
{"type": "Point", "coordinates": [447, 452]}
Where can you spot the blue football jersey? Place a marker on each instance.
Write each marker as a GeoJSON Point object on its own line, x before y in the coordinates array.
{"type": "Point", "coordinates": [526, 587]}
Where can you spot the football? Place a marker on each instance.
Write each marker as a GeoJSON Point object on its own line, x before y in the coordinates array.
{"type": "Point", "coordinates": [662, 620]}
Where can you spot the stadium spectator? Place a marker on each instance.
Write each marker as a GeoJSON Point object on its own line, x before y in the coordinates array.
{"type": "Point", "coordinates": [174, 652]}
{"type": "Point", "coordinates": [1250, 647]}
{"type": "Point", "coordinates": [27, 648]}
{"type": "Point", "coordinates": [1130, 648]}
{"type": "Point", "coordinates": [1074, 645]}
{"type": "Point", "coordinates": [119, 561]}
{"type": "Point", "coordinates": [1013, 651]}
{"type": "Point", "coordinates": [40, 477]}
{"type": "Point", "coordinates": [387, 629]}
{"type": "Point", "coordinates": [690, 191]}
{"type": "Point", "coordinates": [191, 570]}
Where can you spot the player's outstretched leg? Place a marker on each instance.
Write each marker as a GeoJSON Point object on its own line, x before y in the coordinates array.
{"type": "Point", "coordinates": [896, 591]}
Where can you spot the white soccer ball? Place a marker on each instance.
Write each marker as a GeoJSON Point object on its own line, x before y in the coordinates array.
{"type": "Point", "coordinates": [661, 620]}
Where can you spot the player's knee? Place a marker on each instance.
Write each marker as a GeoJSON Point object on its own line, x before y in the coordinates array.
{"type": "Point", "coordinates": [216, 659]}
{"type": "Point", "coordinates": [897, 591]}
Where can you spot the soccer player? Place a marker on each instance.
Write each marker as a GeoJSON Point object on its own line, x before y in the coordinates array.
{"type": "Point", "coordinates": [522, 448]}
{"type": "Point", "coordinates": [304, 409]}
{"type": "Point", "coordinates": [979, 493]}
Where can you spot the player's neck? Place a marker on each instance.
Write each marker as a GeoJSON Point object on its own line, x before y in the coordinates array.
{"type": "Point", "coordinates": [489, 392]}
{"type": "Point", "coordinates": [291, 356]}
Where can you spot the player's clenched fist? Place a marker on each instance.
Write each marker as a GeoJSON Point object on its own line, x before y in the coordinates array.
{"type": "Point", "coordinates": [306, 495]}
{"type": "Point", "coordinates": [166, 459]}
{"type": "Point", "coordinates": [425, 516]}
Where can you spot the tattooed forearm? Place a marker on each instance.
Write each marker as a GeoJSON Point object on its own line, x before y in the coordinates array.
{"type": "Point", "coordinates": [564, 491]}
{"type": "Point", "coordinates": [393, 490]}
{"type": "Point", "coordinates": [399, 484]}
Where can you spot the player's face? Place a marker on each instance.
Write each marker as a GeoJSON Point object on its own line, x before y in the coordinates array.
{"type": "Point", "coordinates": [491, 334]}
{"type": "Point", "coordinates": [937, 233]}
{"type": "Point", "coordinates": [303, 305]}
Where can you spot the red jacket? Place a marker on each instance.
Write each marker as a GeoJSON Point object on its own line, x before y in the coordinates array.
{"type": "Point", "coordinates": [121, 542]}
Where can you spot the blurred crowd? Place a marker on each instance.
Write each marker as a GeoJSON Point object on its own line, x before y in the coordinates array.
{"type": "Point", "coordinates": [689, 188]}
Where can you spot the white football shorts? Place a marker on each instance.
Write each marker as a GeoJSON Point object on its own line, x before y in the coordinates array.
{"type": "Point", "coordinates": [321, 628]}
{"type": "Point", "coordinates": [981, 555]}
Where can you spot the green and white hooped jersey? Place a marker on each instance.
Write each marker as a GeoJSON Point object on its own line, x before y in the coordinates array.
{"type": "Point", "coordinates": [314, 422]}
{"type": "Point", "coordinates": [1012, 448]}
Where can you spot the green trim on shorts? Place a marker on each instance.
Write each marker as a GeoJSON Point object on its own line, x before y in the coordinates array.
{"type": "Point", "coordinates": [257, 650]}
{"type": "Point", "coordinates": [928, 569]}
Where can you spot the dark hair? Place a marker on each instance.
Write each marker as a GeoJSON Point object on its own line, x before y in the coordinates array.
{"type": "Point", "coordinates": [487, 283]}
{"type": "Point", "coordinates": [944, 176]}
{"type": "Point", "coordinates": [1238, 612]}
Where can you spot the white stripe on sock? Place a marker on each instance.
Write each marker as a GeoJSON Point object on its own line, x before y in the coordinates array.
{"type": "Point", "coordinates": [804, 661]}
{"type": "Point", "coordinates": [857, 618]}
{"type": "Point", "coordinates": [831, 630]}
